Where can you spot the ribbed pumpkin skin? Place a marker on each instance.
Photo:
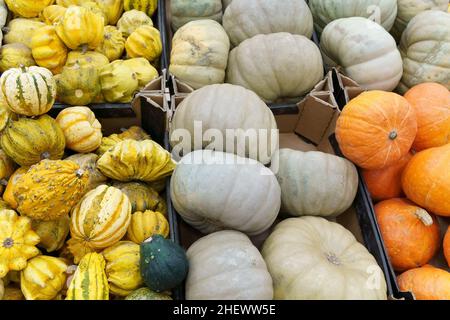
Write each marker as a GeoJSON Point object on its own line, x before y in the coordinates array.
{"type": "Point", "coordinates": [184, 11]}
{"type": "Point", "coordinates": [136, 160]}
{"type": "Point", "coordinates": [52, 233]}
{"type": "Point", "coordinates": [325, 11]}
{"type": "Point", "coordinates": [144, 42]}
{"type": "Point", "coordinates": [28, 91]}
{"type": "Point", "coordinates": [431, 101]}
{"type": "Point", "coordinates": [27, 141]}
{"type": "Point", "coordinates": [21, 30]}
{"type": "Point", "coordinates": [14, 55]}
{"type": "Point", "coordinates": [18, 242]}
{"type": "Point", "coordinates": [118, 82]}
{"type": "Point", "coordinates": [101, 218]}
{"type": "Point", "coordinates": [113, 43]}
{"type": "Point", "coordinates": [78, 85]}
{"type": "Point", "coordinates": [284, 56]}
{"type": "Point", "coordinates": [131, 20]}
{"type": "Point", "coordinates": [80, 27]}
{"type": "Point", "coordinates": [112, 8]}
{"type": "Point", "coordinates": [426, 283]}
{"type": "Point", "coordinates": [89, 281]}
{"type": "Point", "coordinates": [191, 44]}
{"type": "Point", "coordinates": [52, 14]}
{"type": "Point", "coordinates": [142, 197]}
{"type": "Point", "coordinates": [146, 224]}
{"type": "Point", "coordinates": [425, 48]}
{"type": "Point", "coordinates": [7, 166]}
{"type": "Point", "coordinates": [86, 59]}
{"type": "Point", "coordinates": [364, 50]}
{"type": "Point", "coordinates": [425, 180]}
{"type": "Point", "coordinates": [48, 50]}
{"type": "Point", "coordinates": [43, 278]}
{"type": "Point", "coordinates": [88, 162]}
{"type": "Point", "coordinates": [163, 263]}
{"type": "Point", "coordinates": [225, 265]}
{"type": "Point", "coordinates": [133, 133]}
{"type": "Point", "coordinates": [122, 267]}
{"type": "Point", "coordinates": [246, 19]}
{"type": "Point", "coordinates": [147, 294]}
{"type": "Point", "coordinates": [144, 71]}
{"type": "Point", "coordinates": [50, 189]}
{"type": "Point", "coordinates": [376, 129]}
{"type": "Point", "coordinates": [386, 183]}
{"type": "Point", "coordinates": [93, 7]}
{"type": "Point", "coordinates": [27, 9]}
{"type": "Point", "coordinates": [315, 183]}
{"type": "Point", "coordinates": [83, 132]}
{"type": "Point", "coordinates": [8, 195]}
{"type": "Point", "coordinates": [147, 6]}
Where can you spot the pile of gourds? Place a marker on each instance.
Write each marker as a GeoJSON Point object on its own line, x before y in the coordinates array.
{"type": "Point", "coordinates": [99, 50]}
{"type": "Point", "coordinates": [81, 214]}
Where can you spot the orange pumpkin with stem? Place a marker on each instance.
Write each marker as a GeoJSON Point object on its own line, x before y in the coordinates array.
{"type": "Point", "coordinates": [386, 183]}
{"type": "Point", "coordinates": [376, 129]}
{"type": "Point", "coordinates": [426, 283]}
{"type": "Point", "coordinates": [447, 246]}
{"type": "Point", "coordinates": [410, 234]}
{"type": "Point", "coordinates": [426, 177]}
{"type": "Point", "coordinates": [431, 101]}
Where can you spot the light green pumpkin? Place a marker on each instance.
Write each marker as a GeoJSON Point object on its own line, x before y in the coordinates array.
{"type": "Point", "coordinates": [184, 11]}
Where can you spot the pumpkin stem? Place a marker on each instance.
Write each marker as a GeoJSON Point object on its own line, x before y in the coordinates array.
{"type": "Point", "coordinates": [424, 216]}
{"type": "Point", "coordinates": [23, 68]}
{"type": "Point", "coordinates": [393, 135]}
{"type": "Point", "coordinates": [79, 173]}
{"type": "Point", "coordinates": [8, 243]}
{"type": "Point", "coordinates": [84, 48]}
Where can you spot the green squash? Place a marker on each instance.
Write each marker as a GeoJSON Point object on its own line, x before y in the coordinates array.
{"type": "Point", "coordinates": [163, 264]}
{"type": "Point", "coordinates": [147, 294]}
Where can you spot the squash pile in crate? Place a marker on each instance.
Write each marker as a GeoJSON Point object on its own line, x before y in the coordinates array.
{"type": "Point", "coordinates": [99, 51]}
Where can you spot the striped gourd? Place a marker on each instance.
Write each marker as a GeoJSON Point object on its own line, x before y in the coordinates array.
{"type": "Point", "coordinates": [89, 281]}
{"type": "Point", "coordinates": [28, 91]}
{"type": "Point", "coordinates": [147, 6]}
{"type": "Point", "coordinates": [146, 224]}
{"type": "Point", "coordinates": [101, 218]}
{"type": "Point", "coordinates": [27, 141]}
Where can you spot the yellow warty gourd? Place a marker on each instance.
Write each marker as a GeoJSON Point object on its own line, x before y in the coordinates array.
{"type": "Point", "coordinates": [83, 132]}
{"type": "Point", "coordinates": [14, 55]}
{"type": "Point", "coordinates": [112, 8]}
{"type": "Point", "coordinates": [118, 82]}
{"type": "Point", "coordinates": [144, 42]}
{"type": "Point", "coordinates": [21, 30]}
{"type": "Point", "coordinates": [49, 189]}
{"type": "Point", "coordinates": [80, 27]}
{"type": "Point", "coordinates": [122, 267]}
{"type": "Point", "coordinates": [52, 14]}
{"type": "Point", "coordinates": [136, 160]}
{"type": "Point", "coordinates": [8, 195]}
{"type": "Point", "coordinates": [52, 233]}
{"type": "Point", "coordinates": [89, 281]}
{"type": "Point", "coordinates": [144, 71]}
{"type": "Point", "coordinates": [17, 242]}
{"type": "Point", "coordinates": [48, 50]}
{"type": "Point", "coordinates": [134, 133]}
{"type": "Point", "coordinates": [27, 8]}
{"type": "Point", "coordinates": [94, 8]}
{"type": "Point", "coordinates": [43, 278]}
{"type": "Point", "coordinates": [131, 20]}
{"type": "Point", "coordinates": [146, 224]}
{"type": "Point", "coordinates": [113, 43]}
{"type": "Point", "coordinates": [147, 6]}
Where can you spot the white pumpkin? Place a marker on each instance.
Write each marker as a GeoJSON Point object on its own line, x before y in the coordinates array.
{"type": "Point", "coordinates": [380, 11]}
{"type": "Point", "coordinates": [408, 9]}
{"type": "Point", "coordinates": [200, 53]}
{"type": "Point", "coordinates": [310, 258]}
{"type": "Point", "coordinates": [225, 265]}
{"type": "Point", "coordinates": [314, 183]}
{"type": "Point", "coordinates": [425, 49]}
{"type": "Point", "coordinates": [212, 191]}
{"type": "Point", "coordinates": [364, 51]}
{"type": "Point", "coordinates": [276, 66]}
{"type": "Point", "coordinates": [245, 19]}
{"type": "Point", "coordinates": [184, 11]}
{"type": "Point", "coordinates": [225, 107]}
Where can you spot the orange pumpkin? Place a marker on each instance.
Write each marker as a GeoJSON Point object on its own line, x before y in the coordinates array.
{"type": "Point", "coordinates": [447, 246]}
{"type": "Point", "coordinates": [376, 129]}
{"type": "Point", "coordinates": [426, 179]}
{"type": "Point", "coordinates": [410, 234]}
{"type": "Point", "coordinates": [431, 101]}
{"type": "Point", "coordinates": [426, 283]}
{"type": "Point", "coordinates": [386, 183]}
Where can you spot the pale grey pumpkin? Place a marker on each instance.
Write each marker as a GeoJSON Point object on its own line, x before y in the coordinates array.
{"type": "Point", "coordinates": [223, 107]}
{"type": "Point", "coordinates": [213, 191]}
{"type": "Point", "coordinates": [364, 51]}
{"type": "Point", "coordinates": [245, 19]}
{"type": "Point", "coordinates": [225, 265]}
{"type": "Point", "coordinates": [314, 183]}
{"type": "Point", "coordinates": [184, 11]}
{"type": "Point", "coordinates": [276, 66]}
